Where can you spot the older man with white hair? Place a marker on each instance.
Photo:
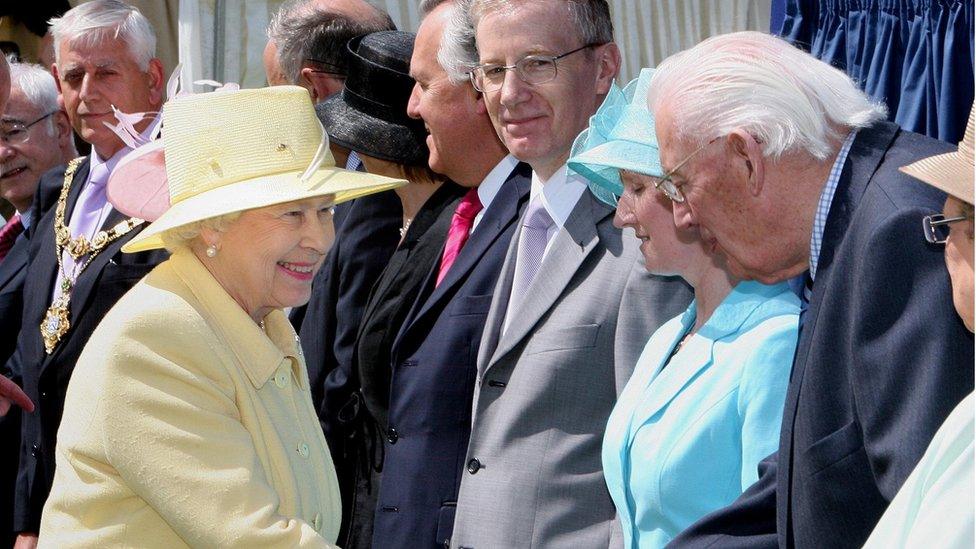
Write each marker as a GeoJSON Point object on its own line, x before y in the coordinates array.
{"type": "Point", "coordinates": [791, 171]}
{"type": "Point", "coordinates": [104, 62]}
{"type": "Point", "coordinates": [10, 393]}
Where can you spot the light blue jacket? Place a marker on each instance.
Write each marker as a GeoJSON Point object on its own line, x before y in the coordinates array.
{"type": "Point", "coordinates": [685, 437]}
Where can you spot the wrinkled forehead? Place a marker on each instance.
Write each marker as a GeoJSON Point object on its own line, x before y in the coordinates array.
{"type": "Point", "coordinates": [95, 49]}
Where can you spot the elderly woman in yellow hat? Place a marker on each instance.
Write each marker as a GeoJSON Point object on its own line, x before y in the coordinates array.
{"type": "Point", "coordinates": [188, 419]}
{"type": "Point", "coordinates": [935, 507]}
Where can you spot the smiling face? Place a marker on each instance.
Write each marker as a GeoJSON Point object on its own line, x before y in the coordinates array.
{"type": "Point", "coordinates": [959, 259]}
{"type": "Point", "coordinates": [538, 123]}
{"type": "Point", "coordinates": [453, 115]}
{"type": "Point", "coordinates": [94, 77]}
{"type": "Point", "coordinates": [666, 249]}
{"type": "Point", "coordinates": [268, 257]}
{"type": "Point", "coordinates": [23, 164]}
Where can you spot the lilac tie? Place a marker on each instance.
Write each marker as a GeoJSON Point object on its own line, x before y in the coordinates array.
{"type": "Point", "coordinates": [86, 217]}
{"type": "Point", "coordinates": [531, 249]}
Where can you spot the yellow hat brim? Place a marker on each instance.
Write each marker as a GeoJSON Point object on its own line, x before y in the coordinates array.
{"type": "Point", "coordinates": [257, 193]}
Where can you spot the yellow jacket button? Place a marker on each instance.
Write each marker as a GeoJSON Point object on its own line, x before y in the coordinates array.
{"type": "Point", "coordinates": [303, 450]}
{"type": "Point", "coordinates": [317, 523]}
{"type": "Point", "coordinates": [281, 379]}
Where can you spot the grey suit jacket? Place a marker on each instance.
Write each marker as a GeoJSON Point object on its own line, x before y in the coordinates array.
{"type": "Point", "coordinates": [546, 386]}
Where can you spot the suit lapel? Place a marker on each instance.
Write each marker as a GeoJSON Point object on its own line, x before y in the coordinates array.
{"type": "Point", "coordinates": [14, 262]}
{"type": "Point", "coordinates": [504, 212]}
{"type": "Point", "coordinates": [44, 265]}
{"type": "Point", "coordinates": [865, 156]}
{"type": "Point", "coordinates": [570, 248]}
{"type": "Point", "coordinates": [77, 184]}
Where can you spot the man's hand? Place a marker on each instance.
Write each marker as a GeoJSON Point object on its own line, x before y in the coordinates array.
{"type": "Point", "coordinates": [26, 541]}
{"type": "Point", "coordinates": [11, 393]}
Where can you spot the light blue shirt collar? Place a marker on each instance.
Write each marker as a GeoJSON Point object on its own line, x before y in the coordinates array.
{"type": "Point", "coordinates": [826, 199]}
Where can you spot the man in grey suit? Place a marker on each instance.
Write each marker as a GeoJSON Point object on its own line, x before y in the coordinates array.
{"type": "Point", "coordinates": [573, 307]}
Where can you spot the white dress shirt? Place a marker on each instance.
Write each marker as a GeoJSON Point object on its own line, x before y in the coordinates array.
{"type": "Point", "coordinates": [491, 184]}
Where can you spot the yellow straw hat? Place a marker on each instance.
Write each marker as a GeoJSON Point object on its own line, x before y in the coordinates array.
{"type": "Point", "coordinates": [230, 151]}
{"type": "Point", "coordinates": [950, 172]}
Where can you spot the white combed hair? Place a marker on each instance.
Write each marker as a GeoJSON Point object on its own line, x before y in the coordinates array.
{"type": "Point", "coordinates": [785, 98]}
{"type": "Point", "coordinates": [38, 87]}
{"type": "Point", "coordinates": [94, 21]}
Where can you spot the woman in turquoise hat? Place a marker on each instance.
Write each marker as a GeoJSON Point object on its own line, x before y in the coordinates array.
{"type": "Point", "coordinates": [705, 402]}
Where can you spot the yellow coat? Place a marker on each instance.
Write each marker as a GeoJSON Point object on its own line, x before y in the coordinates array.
{"type": "Point", "coordinates": [186, 425]}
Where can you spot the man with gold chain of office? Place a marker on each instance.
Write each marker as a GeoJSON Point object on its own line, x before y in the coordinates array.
{"type": "Point", "coordinates": [105, 66]}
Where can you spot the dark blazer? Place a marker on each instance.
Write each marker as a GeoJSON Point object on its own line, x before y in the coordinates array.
{"type": "Point", "coordinates": [433, 368]}
{"type": "Point", "coordinates": [13, 271]}
{"type": "Point", "coordinates": [389, 302]}
{"type": "Point", "coordinates": [367, 233]}
{"type": "Point", "coordinates": [881, 361]}
{"type": "Point", "coordinates": [45, 376]}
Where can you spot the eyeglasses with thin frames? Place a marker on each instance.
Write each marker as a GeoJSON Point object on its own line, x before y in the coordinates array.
{"type": "Point", "coordinates": [15, 133]}
{"type": "Point", "coordinates": [330, 69]}
{"type": "Point", "coordinates": [666, 185]}
{"type": "Point", "coordinates": [531, 69]}
{"type": "Point", "coordinates": [936, 227]}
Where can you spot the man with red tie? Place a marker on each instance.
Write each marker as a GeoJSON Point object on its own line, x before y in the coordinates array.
{"type": "Point", "coordinates": [433, 366]}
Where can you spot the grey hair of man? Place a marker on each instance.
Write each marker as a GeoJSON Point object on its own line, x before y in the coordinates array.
{"type": "Point", "coordinates": [38, 87]}
{"type": "Point", "coordinates": [785, 98]}
{"type": "Point", "coordinates": [458, 52]}
{"type": "Point", "coordinates": [305, 32]}
{"type": "Point", "coordinates": [590, 17]}
{"type": "Point", "coordinates": [91, 22]}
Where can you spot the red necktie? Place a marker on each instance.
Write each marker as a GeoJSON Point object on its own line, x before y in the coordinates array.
{"type": "Point", "coordinates": [461, 224]}
{"type": "Point", "coordinates": [9, 233]}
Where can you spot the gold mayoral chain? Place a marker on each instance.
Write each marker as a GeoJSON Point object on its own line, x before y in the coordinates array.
{"type": "Point", "coordinates": [55, 323]}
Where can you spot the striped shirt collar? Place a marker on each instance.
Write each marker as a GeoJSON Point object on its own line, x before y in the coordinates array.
{"type": "Point", "coordinates": [826, 198]}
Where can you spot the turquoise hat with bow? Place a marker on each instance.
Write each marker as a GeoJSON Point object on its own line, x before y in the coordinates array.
{"type": "Point", "coordinates": [620, 137]}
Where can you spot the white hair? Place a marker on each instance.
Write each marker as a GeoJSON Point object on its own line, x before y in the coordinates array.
{"type": "Point", "coordinates": [458, 52]}
{"type": "Point", "coordinates": [38, 87]}
{"type": "Point", "coordinates": [787, 99]}
{"type": "Point", "coordinates": [94, 21]}
{"type": "Point", "coordinates": [183, 236]}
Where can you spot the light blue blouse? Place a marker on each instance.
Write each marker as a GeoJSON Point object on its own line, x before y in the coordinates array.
{"type": "Point", "coordinates": [685, 437]}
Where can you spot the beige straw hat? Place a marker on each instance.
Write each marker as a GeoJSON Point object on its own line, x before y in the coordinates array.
{"type": "Point", "coordinates": [950, 172]}
{"type": "Point", "coordinates": [230, 151]}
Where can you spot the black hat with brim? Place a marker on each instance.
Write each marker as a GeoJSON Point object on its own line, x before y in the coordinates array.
{"type": "Point", "coordinates": [370, 115]}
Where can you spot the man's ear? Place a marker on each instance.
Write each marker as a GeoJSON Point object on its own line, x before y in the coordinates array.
{"type": "Point", "coordinates": [480, 107]}
{"type": "Point", "coordinates": [748, 150]}
{"type": "Point", "coordinates": [61, 124]}
{"type": "Point", "coordinates": [319, 85]}
{"type": "Point", "coordinates": [57, 79]}
{"type": "Point", "coordinates": [156, 82]}
{"type": "Point", "coordinates": [609, 65]}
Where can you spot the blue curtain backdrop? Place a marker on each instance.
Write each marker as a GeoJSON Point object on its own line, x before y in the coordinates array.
{"type": "Point", "coordinates": [915, 55]}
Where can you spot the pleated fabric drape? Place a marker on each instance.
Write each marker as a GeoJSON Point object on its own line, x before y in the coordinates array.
{"type": "Point", "coordinates": [915, 55]}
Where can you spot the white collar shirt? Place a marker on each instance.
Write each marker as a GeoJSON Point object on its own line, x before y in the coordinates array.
{"type": "Point", "coordinates": [491, 184]}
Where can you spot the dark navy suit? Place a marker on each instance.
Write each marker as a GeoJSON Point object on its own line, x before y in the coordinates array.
{"type": "Point", "coordinates": [881, 361]}
{"type": "Point", "coordinates": [13, 271]}
{"type": "Point", "coordinates": [434, 366]}
{"type": "Point", "coordinates": [109, 276]}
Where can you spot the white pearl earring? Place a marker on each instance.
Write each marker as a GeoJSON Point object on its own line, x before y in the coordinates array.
{"type": "Point", "coordinates": [211, 251]}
